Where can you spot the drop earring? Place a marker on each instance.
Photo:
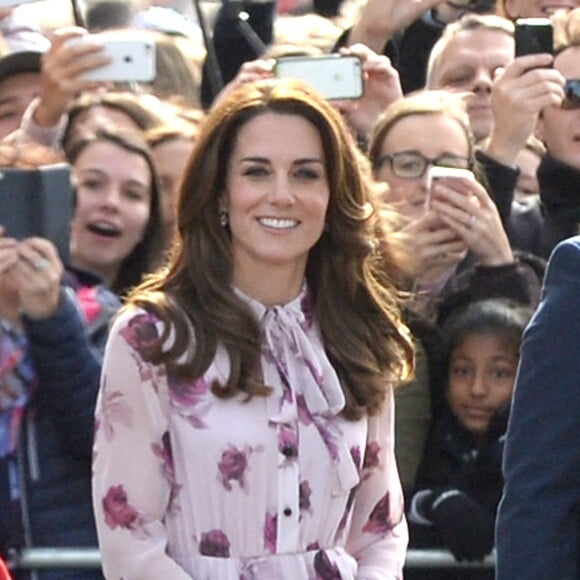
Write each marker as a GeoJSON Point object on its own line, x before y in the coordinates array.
{"type": "Point", "coordinates": [223, 218]}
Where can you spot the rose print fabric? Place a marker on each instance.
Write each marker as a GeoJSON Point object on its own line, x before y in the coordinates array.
{"type": "Point", "coordinates": [187, 485]}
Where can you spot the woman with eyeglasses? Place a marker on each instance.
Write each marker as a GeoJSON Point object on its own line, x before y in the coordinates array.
{"type": "Point", "coordinates": [442, 219]}
{"type": "Point", "coordinates": [453, 232]}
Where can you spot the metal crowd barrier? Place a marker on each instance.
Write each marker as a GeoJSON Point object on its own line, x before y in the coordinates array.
{"type": "Point", "coordinates": [37, 558]}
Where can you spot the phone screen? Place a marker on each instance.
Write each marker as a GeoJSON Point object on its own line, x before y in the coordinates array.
{"type": "Point", "coordinates": [534, 36]}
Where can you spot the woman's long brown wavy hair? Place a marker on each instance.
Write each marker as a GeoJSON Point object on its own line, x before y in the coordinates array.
{"type": "Point", "coordinates": [354, 302]}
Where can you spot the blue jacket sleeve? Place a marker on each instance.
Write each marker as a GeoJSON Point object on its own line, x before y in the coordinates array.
{"type": "Point", "coordinates": [538, 523]}
{"type": "Point", "coordinates": [68, 368]}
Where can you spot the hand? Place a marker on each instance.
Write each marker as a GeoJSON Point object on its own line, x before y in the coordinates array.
{"type": "Point", "coordinates": [61, 74]}
{"type": "Point", "coordinates": [38, 273]}
{"type": "Point", "coordinates": [464, 205]}
{"type": "Point", "coordinates": [518, 96]}
{"type": "Point", "coordinates": [381, 88]}
{"type": "Point", "coordinates": [464, 527]}
{"type": "Point", "coordinates": [20, 152]}
{"type": "Point", "coordinates": [250, 71]}
{"type": "Point", "coordinates": [380, 20]}
{"type": "Point", "coordinates": [432, 247]}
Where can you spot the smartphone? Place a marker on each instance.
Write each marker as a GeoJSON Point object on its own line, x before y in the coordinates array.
{"type": "Point", "coordinates": [38, 202]}
{"type": "Point", "coordinates": [132, 59]}
{"type": "Point", "coordinates": [534, 36]}
{"type": "Point", "coordinates": [436, 173]}
{"type": "Point", "coordinates": [335, 76]}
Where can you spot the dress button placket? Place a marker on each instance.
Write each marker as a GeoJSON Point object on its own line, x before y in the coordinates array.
{"type": "Point", "coordinates": [288, 498]}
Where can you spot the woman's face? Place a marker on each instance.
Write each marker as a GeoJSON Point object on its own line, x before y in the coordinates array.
{"type": "Point", "coordinates": [433, 136]}
{"type": "Point", "coordinates": [276, 197]}
{"type": "Point", "coordinates": [482, 372]}
{"type": "Point", "coordinates": [113, 204]}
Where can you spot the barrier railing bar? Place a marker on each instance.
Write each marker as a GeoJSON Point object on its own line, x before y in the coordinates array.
{"type": "Point", "coordinates": [443, 559]}
{"type": "Point", "coordinates": [42, 558]}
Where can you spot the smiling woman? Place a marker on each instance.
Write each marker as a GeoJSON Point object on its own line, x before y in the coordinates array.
{"type": "Point", "coordinates": [116, 229]}
{"type": "Point", "coordinates": [276, 198]}
{"type": "Point", "coordinates": [271, 404]}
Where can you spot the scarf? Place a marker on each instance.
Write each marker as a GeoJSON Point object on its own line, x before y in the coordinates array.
{"type": "Point", "coordinates": [17, 383]}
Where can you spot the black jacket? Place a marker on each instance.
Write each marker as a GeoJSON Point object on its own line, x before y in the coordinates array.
{"type": "Point", "coordinates": [560, 196]}
{"type": "Point", "coordinates": [453, 460]}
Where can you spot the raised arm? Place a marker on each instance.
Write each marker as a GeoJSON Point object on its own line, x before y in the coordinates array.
{"type": "Point", "coordinates": [381, 20]}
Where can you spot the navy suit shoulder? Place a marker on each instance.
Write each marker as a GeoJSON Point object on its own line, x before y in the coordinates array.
{"type": "Point", "coordinates": [566, 257]}
{"type": "Point", "coordinates": [538, 523]}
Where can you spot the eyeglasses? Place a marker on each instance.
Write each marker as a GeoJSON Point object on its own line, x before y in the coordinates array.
{"type": "Point", "coordinates": [413, 165]}
{"type": "Point", "coordinates": [571, 95]}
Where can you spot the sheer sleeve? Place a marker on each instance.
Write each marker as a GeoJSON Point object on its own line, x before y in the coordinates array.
{"type": "Point", "coordinates": [47, 136]}
{"type": "Point", "coordinates": [132, 465]}
{"type": "Point", "coordinates": [378, 537]}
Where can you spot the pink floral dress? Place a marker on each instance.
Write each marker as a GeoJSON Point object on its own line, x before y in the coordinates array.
{"type": "Point", "coordinates": [187, 485]}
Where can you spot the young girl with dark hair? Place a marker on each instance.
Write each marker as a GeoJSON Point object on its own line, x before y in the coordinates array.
{"type": "Point", "coordinates": [459, 482]}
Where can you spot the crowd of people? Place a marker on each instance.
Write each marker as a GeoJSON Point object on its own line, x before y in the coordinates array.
{"type": "Point", "coordinates": [283, 340]}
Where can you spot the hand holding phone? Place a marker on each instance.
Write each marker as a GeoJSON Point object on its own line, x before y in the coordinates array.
{"type": "Point", "coordinates": [336, 77]}
{"type": "Point", "coordinates": [447, 174]}
{"type": "Point", "coordinates": [467, 208]}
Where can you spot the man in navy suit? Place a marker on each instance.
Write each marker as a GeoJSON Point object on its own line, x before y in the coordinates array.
{"type": "Point", "coordinates": [538, 526]}
{"type": "Point", "coordinates": [538, 522]}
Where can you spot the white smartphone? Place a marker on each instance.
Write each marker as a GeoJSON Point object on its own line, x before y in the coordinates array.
{"type": "Point", "coordinates": [335, 76]}
{"type": "Point", "coordinates": [439, 172]}
{"type": "Point", "coordinates": [132, 59]}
